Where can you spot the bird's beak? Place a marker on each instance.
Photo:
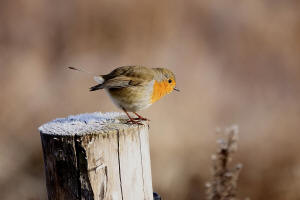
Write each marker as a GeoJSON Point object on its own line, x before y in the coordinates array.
{"type": "Point", "coordinates": [176, 89]}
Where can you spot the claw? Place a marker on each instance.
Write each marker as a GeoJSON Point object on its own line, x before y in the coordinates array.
{"type": "Point", "coordinates": [139, 117]}
{"type": "Point", "coordinates": [133, 122]}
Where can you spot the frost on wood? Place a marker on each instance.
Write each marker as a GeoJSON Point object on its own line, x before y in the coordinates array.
{"type": "Point", "coordinates": [223, 185]}
{"type": "Point", "coordinates": [85, 123]}
{"type": "Point", "coordinates": [96, 156]}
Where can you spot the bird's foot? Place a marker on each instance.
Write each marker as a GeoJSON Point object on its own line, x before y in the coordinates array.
{"type": "Point", "coordinates": [141, 119]}
{"type": "Point", "coordinates": [133, 121]}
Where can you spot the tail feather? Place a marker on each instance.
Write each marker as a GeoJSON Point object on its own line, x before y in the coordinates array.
{"type": "Point", "coordinates": [97, 87]}
{"type": "Point", "coordinates": [99, 80]}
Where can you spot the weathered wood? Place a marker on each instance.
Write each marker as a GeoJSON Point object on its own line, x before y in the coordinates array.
{"type": "Point", "coordinates": [96, 156]}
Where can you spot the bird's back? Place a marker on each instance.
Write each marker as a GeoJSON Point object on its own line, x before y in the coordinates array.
{"type": "Point", "coordinates": [131, 71]}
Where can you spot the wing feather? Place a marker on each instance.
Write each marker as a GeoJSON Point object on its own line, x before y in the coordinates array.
{"type": "Point", "coordinates": [127, 76]}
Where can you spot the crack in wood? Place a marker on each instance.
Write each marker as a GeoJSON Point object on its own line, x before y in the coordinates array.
{"type": "Point", "coordinates": [106, 176]}
{"type": "Point", "coordinates": [77, 165]}
{"type": "Point", "coordinates": [118, 139]}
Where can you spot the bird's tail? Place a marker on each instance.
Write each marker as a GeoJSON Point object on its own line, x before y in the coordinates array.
{"type": "Point", "coordinates": [97, 87]}
{"type": "Point", "coordinates": [100, 80]}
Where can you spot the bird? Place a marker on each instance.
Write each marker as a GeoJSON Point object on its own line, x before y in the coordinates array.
{"type": "Point", "coordinates": [135, 88]}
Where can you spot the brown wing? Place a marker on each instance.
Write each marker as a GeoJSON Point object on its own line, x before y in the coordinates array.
{"type": "Point", "coordinates": [132, 72]}
{"type": "Point", "coordinates": [122, 81]}
{"type": "Point", "coordinates": [126, 76]}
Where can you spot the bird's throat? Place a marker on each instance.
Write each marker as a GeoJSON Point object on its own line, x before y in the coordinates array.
{"type": "Point", "coordinates": [160, 89]}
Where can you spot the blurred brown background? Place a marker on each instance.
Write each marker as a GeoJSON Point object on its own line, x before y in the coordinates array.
{"type": "Point", "coordinates": [235, 61]}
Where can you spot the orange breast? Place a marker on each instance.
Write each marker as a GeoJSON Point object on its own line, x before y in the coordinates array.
{"type": "Point", "coordinates": [160, 89]}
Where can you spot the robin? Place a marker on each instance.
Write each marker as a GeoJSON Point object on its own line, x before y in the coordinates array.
{"type": "Point", "coordinates": [134, 88]}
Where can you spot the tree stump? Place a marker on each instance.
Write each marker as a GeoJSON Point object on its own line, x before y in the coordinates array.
{"type": "Point", "coordinates": [97, 156]}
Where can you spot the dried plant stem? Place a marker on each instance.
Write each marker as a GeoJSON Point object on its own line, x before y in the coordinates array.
{"type": "Point", "coordinates": [223, 185]}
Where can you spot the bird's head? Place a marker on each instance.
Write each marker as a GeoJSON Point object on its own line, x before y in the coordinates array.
{"type": "Point", "coordinates": [166, 78]}
{"type": "Point", "coordinates": [165, 83]}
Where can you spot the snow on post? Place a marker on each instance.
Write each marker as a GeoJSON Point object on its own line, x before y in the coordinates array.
{"type": "Point", "coordinates": [96, 156]}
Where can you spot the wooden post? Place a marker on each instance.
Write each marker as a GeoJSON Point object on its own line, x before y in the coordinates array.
{"type": "Point", "coordinates": [96, 156]}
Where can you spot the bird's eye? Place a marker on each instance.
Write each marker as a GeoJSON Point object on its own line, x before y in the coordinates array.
{"type": "Point", "coordinates": [170, 80]}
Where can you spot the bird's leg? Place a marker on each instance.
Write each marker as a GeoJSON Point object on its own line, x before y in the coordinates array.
{"type": "Point", "coordinates": [139, 117]}
{"type": "Point", "coordinates": [131, 120]}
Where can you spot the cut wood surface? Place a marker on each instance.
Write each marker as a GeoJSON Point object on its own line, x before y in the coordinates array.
{"type": "Point", "coordinates": [97, 156]}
